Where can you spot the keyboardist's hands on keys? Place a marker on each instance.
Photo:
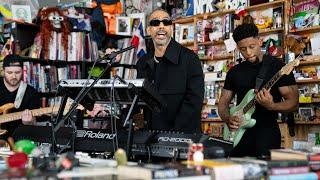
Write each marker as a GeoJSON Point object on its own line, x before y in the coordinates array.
{"type": "Point", "coordinates": [98, 110]}
{"type": "Point", "coordinates": [110, 50]}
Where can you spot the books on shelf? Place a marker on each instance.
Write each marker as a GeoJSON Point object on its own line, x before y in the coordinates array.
{"type": "Point", "coordinates": [289, 170]}
{"type": "Point", "coordinates": [125, 73]}
{"type": "Point", "coordinates": [127, 57]}
{"type": "Point", "coordinates": [80, 48]}
{"type": "Point", "coordinates": [304, 14]}
{"type": "Point", "coordinates": [44, 78]}
{"type": "Point", "coordinates": [220, 169]}
{"type": "Point", "coordinates": [287, 163]}
{"type": "Point", "coordinates": [147, 172]}
{"type": "Point", "coordinates": [303, 176]}
{"type": "Point", "coordinates": [252, 168]}
{"type": "Point", "coordinates": [289, 154]}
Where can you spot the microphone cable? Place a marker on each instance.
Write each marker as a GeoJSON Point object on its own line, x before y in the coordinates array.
{"type": "Point", "coordinates": [112, 119]}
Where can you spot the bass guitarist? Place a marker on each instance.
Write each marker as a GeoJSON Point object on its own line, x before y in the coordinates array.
{"type": "Point", "coordinates": [282, 97]}
{"type": "Point", "coordinates": [13, 90]}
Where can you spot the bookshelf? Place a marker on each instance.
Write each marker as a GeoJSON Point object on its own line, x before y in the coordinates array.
{"type": "Point", "coordinates": [313, 29]}
{"type": "Point", "coordinates": [217, 58]}
{"type": "Point", "coordinates": [305, 126]}
{"type": "Point", "coordinates": [308, 122]}
{"type": "Point", "coordinates": [187, 44]}
{"type": "Point", "coordinates": [225, 58]}
{"type": "Point", "coordinates": [207, 43]}
{"type": "Point", "coordinates": [271, 31]}
{"type": "Point", "coordinates": [212, 43]}
{"type": "Point", "coordinates": [44, 74]}
{"type": "Point", "coordinates": [307, 81]}
{"type": "Point", "coordinates": [262, 6]}
{"type": "Point", "coordinates": [185, 20]}
{"type": "Point", "coordinates": [215, 14]}
{"type": "Point", "coordinates": [306, 63]}
{"type": "Point", "coordinates": [218, 120]}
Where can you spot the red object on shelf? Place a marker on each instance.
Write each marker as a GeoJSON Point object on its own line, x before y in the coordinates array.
{"type": "Point", "coordinates": [17, 160]}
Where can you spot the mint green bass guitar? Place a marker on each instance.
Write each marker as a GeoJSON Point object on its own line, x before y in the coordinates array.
{"type": "Point", "coordinates": [247, 107]}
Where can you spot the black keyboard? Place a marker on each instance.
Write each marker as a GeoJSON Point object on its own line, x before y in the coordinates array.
{"type": "Point", "coordinates": [167, 144]}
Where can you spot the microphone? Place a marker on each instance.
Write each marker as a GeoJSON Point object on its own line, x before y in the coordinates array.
{"type": "Point", "coordinates": [113, 55]}
{"type": "Point", "coordinates": [120, 79]}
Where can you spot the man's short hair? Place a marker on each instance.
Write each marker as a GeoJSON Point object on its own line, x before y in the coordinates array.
{"type": "Point", "coordinates": [244, 31]}
{"type": "Point", "coordinates": [157, 9]}
{"type": "Point", "coordinates": [12, 60]}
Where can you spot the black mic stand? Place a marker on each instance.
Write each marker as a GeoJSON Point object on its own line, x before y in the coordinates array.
{"type": "Point", "coordinates": [129, 121]}
{"type": "Point", "coordinates": [55, 127]}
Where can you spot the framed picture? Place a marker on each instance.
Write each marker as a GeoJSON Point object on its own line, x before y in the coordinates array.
{"type": "Point", "coordinates": [123, 26]}
{"type": "Point", "coordinates": [136, 18]}
{"type": "Point", "coordinates": [302, 92]}
{"type": "Point", "coordinates": [305, 112]}
{"type": "Point", "coordinates": [184, 33]}
{"type": "Point", "coordinates": [21, 12]}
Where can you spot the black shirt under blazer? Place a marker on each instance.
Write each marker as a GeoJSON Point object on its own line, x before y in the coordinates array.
{"type": "Point", "coordinates": [179, 80]}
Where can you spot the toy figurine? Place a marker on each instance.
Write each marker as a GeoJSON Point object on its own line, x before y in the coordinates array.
{"type": "Point", "coordinates": [53, 19]}
{"type": "Point", "coordinates": [296, 44]}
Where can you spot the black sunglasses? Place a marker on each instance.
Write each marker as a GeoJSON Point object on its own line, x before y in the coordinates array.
{"type": "Point", "coordinates": [156, 22]}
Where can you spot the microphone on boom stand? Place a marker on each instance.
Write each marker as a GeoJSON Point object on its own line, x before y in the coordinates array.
{"type": "Point", "coordinates": [111, 57]}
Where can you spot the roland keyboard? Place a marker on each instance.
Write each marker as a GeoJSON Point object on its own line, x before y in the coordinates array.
{"type": "Point", "coordinates": [123, 93]}
{"type": "Point", "coordinates": [161, 144]}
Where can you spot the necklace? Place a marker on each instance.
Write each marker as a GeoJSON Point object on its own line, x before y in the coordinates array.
{"type": "Point", "coordinates": [155, 59]}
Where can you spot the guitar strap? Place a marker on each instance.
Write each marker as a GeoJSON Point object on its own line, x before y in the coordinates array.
{"type": "Point", "coordinates": [266, 62]}
{"type": "Point", "coordinates": [20, 94]}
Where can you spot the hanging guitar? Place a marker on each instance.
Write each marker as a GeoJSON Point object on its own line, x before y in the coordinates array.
{"type": "Point", "coordinates": [247, 106]}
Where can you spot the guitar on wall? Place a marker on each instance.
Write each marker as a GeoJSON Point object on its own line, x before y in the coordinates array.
{"type": "Point", "coordinates": [9, 117]}
{"type": "Point", "coordinates": [247, 106]}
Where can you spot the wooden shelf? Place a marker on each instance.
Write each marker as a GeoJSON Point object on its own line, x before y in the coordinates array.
{"type": "Point", "coordinates": [215, 14]}
{"type": "Point", "coordinates": [270, 31]}
{"type": "Point", "coordinates": [212, 120]}
{"type": "Point", "coordinates": [308, 122]}
{"type": "Point", "coordinates": [265, 5]}
{"type": "Point", "coordinates": [304, 63]}
{"type": "Point", "coordinates": [310, 60]}
{"type": "Point", "coordinates": [216, 58]}
{"type": "Point", "coordinates": [212, 43]}
{"type": "Point", "coordinates": [9, 20]}
{"type": "Point", "coordinates": [52, 62]}
{"type": "Point", "coordinates": [190, 19]}
{"type": "Point", "coordinates": [312, 29]}
{"type": "Point", "coordinates": [187, 43]}
{"type": "Point", "coordinates": [184, 20]}
{"type": "Point", "coordinates": [306, 81]}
